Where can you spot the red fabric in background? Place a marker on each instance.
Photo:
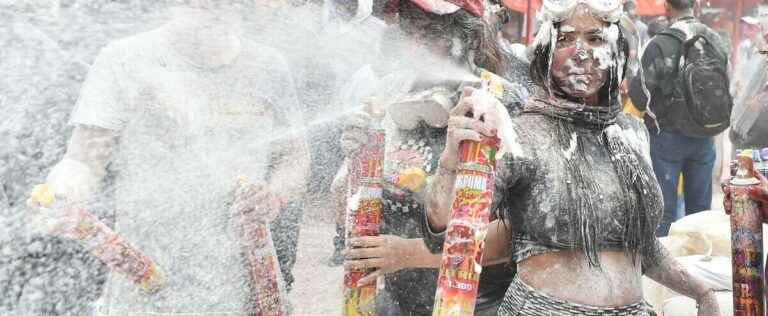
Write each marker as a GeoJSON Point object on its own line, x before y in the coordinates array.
{"type": "Point", "coordinates": [730, 4]}
{"type": "Point", "coordinates": [656, 7]}
{"type": "Point", "coordinates": [644, 7]}
{"type": "Point", "coordinates": [650, 7]}
{"type": "Point", "coordinates": [522, 5]}
{"type": "Point", "coordinates": [473, 6]}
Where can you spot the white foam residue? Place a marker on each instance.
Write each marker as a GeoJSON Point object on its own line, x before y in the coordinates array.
{"type": "Point", "coordinates": [612, 33]}
{"type": "Point", "coordinates": [571, 147]}
{"type": "Point", "coordinates": [603, 57]}
{"type": "Point", "coordinates": [353, 202]}
{"type": "Point", "coordinates": [509, 137]}
{"type": "Point", "coordinates": [567, 29]}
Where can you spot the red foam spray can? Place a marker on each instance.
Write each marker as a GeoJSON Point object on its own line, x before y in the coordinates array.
{"type": "Point", "coordinates": [364, 206]}
{"type": "Point", "coordinates": [465, 236]}
{"type": "Point", "coordinates": [104, 243]}
{"type": "Point", "coordinates": [265, 277]}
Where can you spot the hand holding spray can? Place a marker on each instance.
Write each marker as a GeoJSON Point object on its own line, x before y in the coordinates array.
{"type": "Point", "coordinates": [265, 278]}
{"type": "Point", "coordinates": [103, 242]}
{"type": "Point", "coordinates": [465, 236]}
{"type": "Point", "coordinates": [470, 214]}
{"type": "Point", "coordinates": [364, 205]}
{"type": "Point", "coordinates": [746, 241]}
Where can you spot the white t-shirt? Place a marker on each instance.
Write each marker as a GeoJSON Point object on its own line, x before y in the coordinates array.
{"type": "Point", "coordinates": [186, 133]}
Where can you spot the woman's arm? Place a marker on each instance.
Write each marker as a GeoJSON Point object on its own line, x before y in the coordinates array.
{"type": "Point", "coordinates": [388, 253]}
{"type": "Point", "coordinates": [667, 271]}
{"type": "Point", "coordinates": [439, 197]}
{"type": "Point", "coordinates": [471, 119]}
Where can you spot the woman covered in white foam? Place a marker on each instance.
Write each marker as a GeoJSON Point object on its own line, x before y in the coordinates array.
{"type": "Point", "coordinates": [578, 199]}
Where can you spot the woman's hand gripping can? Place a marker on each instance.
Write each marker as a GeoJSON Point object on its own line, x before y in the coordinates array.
{"type": "Point", "coordinates": [364, 204]}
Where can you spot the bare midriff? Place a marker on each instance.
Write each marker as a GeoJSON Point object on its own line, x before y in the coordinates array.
{"type": "Point", "coordinates": [567, 276]}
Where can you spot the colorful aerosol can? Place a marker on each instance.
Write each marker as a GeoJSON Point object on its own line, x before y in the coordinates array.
{"type": "Point", "coordinates": [105, 244]}
{"type": "Point", "coordinates": [462, 259]}
{"type": "Point", "coordinates": [265, 277]}
{"type": "Point", "coordinates": [364, 205]}
{"type": "Point", "coordinates": [746, 242]}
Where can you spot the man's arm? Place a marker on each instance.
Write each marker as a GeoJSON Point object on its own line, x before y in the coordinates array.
{"type": "Point", "coordinates": [79, 173]}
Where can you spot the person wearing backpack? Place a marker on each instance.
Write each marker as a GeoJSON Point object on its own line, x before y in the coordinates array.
{"type": "Point", "coordinates": [687, 103]}
{"type": "Point", "coordinates": [749, 120]}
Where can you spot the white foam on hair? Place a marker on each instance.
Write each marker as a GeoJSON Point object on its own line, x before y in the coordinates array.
{"type": "Point", "coordinates": [567, 29]}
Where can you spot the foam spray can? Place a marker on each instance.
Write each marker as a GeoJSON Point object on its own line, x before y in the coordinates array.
{"type": "Point", "coordinates": [462, 258]}
{"type": "Point", "coordinates": [265, 277]}
{"type": "Point", "coordinates": [746, 241]}
{"type": "Point", "coordinates": [461, 264]}
{"type": "Point", "coordinates": [364, 206]}
{"type": "Point", "coordinates": [104, 243]}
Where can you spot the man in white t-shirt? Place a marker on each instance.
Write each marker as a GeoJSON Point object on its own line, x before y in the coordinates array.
{"type": "Point", "coordinates": [181, 112]}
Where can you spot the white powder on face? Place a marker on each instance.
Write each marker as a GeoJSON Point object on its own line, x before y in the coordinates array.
{"type": "Point", "coordinates": [604, 54]}
{"type": "Point", "coordinates": [603, 57]}
{"type": "Point", "coordinates": [579, 84]}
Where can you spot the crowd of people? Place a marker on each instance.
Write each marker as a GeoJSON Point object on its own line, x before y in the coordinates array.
{"type": "Point", "coordinates": [604, 113]}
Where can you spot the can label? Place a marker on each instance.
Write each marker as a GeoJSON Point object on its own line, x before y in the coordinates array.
{"type": "Point", "coordinates": [747, 252]}
{"type": "Point", "coordinates": [364, 219]}
{"type": "Point", "coordinates": [461, 264]}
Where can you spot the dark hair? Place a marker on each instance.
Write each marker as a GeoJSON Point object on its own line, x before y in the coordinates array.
{"type": "Point", "coordinates": [657, 25]}
{"type": "Point", "coordinates": [540, 69]}
{"type": "Point", "coordinates": [475, 33]}
{"type": "Point", "coordinates": [681, 4]}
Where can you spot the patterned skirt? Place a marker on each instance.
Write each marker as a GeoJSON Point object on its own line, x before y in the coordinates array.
{"type": "Point", "coordinates": [523, 300]}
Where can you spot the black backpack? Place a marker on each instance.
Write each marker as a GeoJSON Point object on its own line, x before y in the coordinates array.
{"type": "Point", "coordinates": [702, 101]}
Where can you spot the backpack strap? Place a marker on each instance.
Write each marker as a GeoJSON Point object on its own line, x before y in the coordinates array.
{"type": "Point", "coordinates": [671, 73]}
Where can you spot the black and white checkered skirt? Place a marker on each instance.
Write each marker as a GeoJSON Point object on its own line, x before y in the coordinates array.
{"type": "Point", "coordinates": [523, 300]}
